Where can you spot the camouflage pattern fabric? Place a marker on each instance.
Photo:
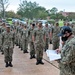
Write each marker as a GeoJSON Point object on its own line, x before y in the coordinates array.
{"type": "Point", "coordinates": [7, 43]}
{"type": "Point", "coordinates": [39, 42]}
{"type": "Point", "coordinates": [67, 62]}
{"type": "Point", "coordinates": [55, 38]}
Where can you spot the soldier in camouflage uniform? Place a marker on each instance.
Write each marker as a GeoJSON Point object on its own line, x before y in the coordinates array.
{"type": "Point", "coordinates": [25, 39]}
{"type": "Point", "coordinates": [67, 62]}
{"type": "Point", "coordinates": [3, 29]}
{"type": "Point", "coordinates": [20, 35]}
{"type": "Point", "coordinates": [39, 41]}
{"type": "Point", "coordinates": [73, 29]}
{"type": "Point", "coordinates": [32, 49]}
{"type": "Point", "coordinates": [0, 38]}
{"type": "Point", "coordinates": [7, 43]}
{"type": "Point", "coordinates": [51, 31]}
{"type": "Point", "coordinates": [47, 32]}
{"type": "Point", "coordinates": [16, 33]}
{"type": "Point", "coordinates": [36, 25]}
{"type": "Point", "coordinates": [0, 35]}
{"type": "Point", "coordinates": [55, 38]}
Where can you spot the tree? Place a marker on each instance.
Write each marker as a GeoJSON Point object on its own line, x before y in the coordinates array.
{"type": "Point", "coordinates": [3, 6]}
{"type": "Point", "coordinates": [54, 10]}
{"type": "Point", "coordinates": [71, 16]}
{"type": "Point", "coordinates": [57, 16]}
{"type": "Point", "coordinates": [31, 10]}
{"type": "Point", "coordinates": [26, 9]}
{"type": "Point", "coordinates": [40, 12]}
{"type": "Point", "coordinates": [12, 14]}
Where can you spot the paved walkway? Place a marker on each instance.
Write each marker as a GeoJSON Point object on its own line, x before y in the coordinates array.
{"type": "Point", "coordinates": [22, 65]}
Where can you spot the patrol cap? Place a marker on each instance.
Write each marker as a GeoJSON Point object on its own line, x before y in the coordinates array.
{"type": "Point", "coordinates": [64, 30]}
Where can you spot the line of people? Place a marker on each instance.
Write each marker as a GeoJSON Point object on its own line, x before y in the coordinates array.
{"type": "Point", "coordinates": [23, 35]}
{"type": "Point", "coordinates": [35, 35]}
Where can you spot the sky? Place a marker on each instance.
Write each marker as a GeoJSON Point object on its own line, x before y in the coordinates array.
{"type": "Point", "coordinates": [61, 5]}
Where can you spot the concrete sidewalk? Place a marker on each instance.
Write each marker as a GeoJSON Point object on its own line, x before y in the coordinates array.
{"type": "Point", "coordinates": [22, 65]}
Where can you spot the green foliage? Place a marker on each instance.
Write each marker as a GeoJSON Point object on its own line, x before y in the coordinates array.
{"type": "Point", "coordinates": [26, 9]}
{"type": "Point", "coordinates": [54, 10]}
{"type": "Point", "coordinates": [31, 10]}
{"type": "Point", "coordinates": [57, 16]}
{"type": "Point", "coordinates": [51, 21]}
{"type": "Point", "coordinates": [71, 16]}
{"type": "Point", "coordinates": [12, 14]}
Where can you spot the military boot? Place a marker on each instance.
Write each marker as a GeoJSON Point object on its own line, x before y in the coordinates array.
{"type": "Point", "coordinates": [10, 64]}
{"type": "Point", "coordinates": [23, 51]}
{"type": "Point", "coordinates": [26, 51]}
{"type": "Point", "coordinates": [16, 44]}
{"type": "Point", "coordinates": [2, 53]}
{"type": "Point", "coordinates": [31, 57]}
{"type": "Point", "coordinates": [37, 62]}
{"type": "Point", "coordinates": [41, 61]}
{"type": "Point", "coordinates": [6, 64]}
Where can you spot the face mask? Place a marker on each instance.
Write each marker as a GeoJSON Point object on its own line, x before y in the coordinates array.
{"type": "Point", "coordinates": [64, 38]}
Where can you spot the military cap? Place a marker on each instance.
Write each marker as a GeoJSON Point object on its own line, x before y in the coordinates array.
{"type": "Point", "coordinates": [64, 30]}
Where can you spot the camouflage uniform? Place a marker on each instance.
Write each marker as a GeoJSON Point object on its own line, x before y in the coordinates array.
{"type": "Point", "coordinates": [21, 30]}
{"type": "Point", "coordinates": [25, 40]}
{"type": "Point", "coordinates": [7, 42]}
{"type": "Point", "coordinates": [51, 31]}
{"type": "Point", "coordinates": [73, 30]}
{"type": "Point", "coordinates": [18, 35]}
{"type": "Point", "coordinates": [67, 63]}
{"type": "Point", "coordinates": [32, 49]}
{"type": "Point", "coordinates": [0, 38]}
{"type": "Point", "coordinates": [39, 44]}
{"type": "Point", "coordinates": [47, 32]}
{"type": "Point", "coordinates": [55, 38]}
{"type": "Point", "coordinates": [16, 31]}
{"type": "Point", "coordinates": [3, 29]}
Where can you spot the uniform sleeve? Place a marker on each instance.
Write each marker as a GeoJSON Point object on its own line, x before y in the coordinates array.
{"type": "Point", "coordinates": [70, 54]}
{"type": "Point", "coordinates": [44, 32]}
{"type": "Point", "coordinates": [13, 38]}
{"type": "Point", "coordinates": [2, 38]}
{"type": "Point", "coordinates": [21, 32]}
{"type": "Point", "coordinates": [28, 32]}
{"type": "Point", "coordinates": [51, 29]}
{"type": "Point", "coordinates": [34, 33]}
